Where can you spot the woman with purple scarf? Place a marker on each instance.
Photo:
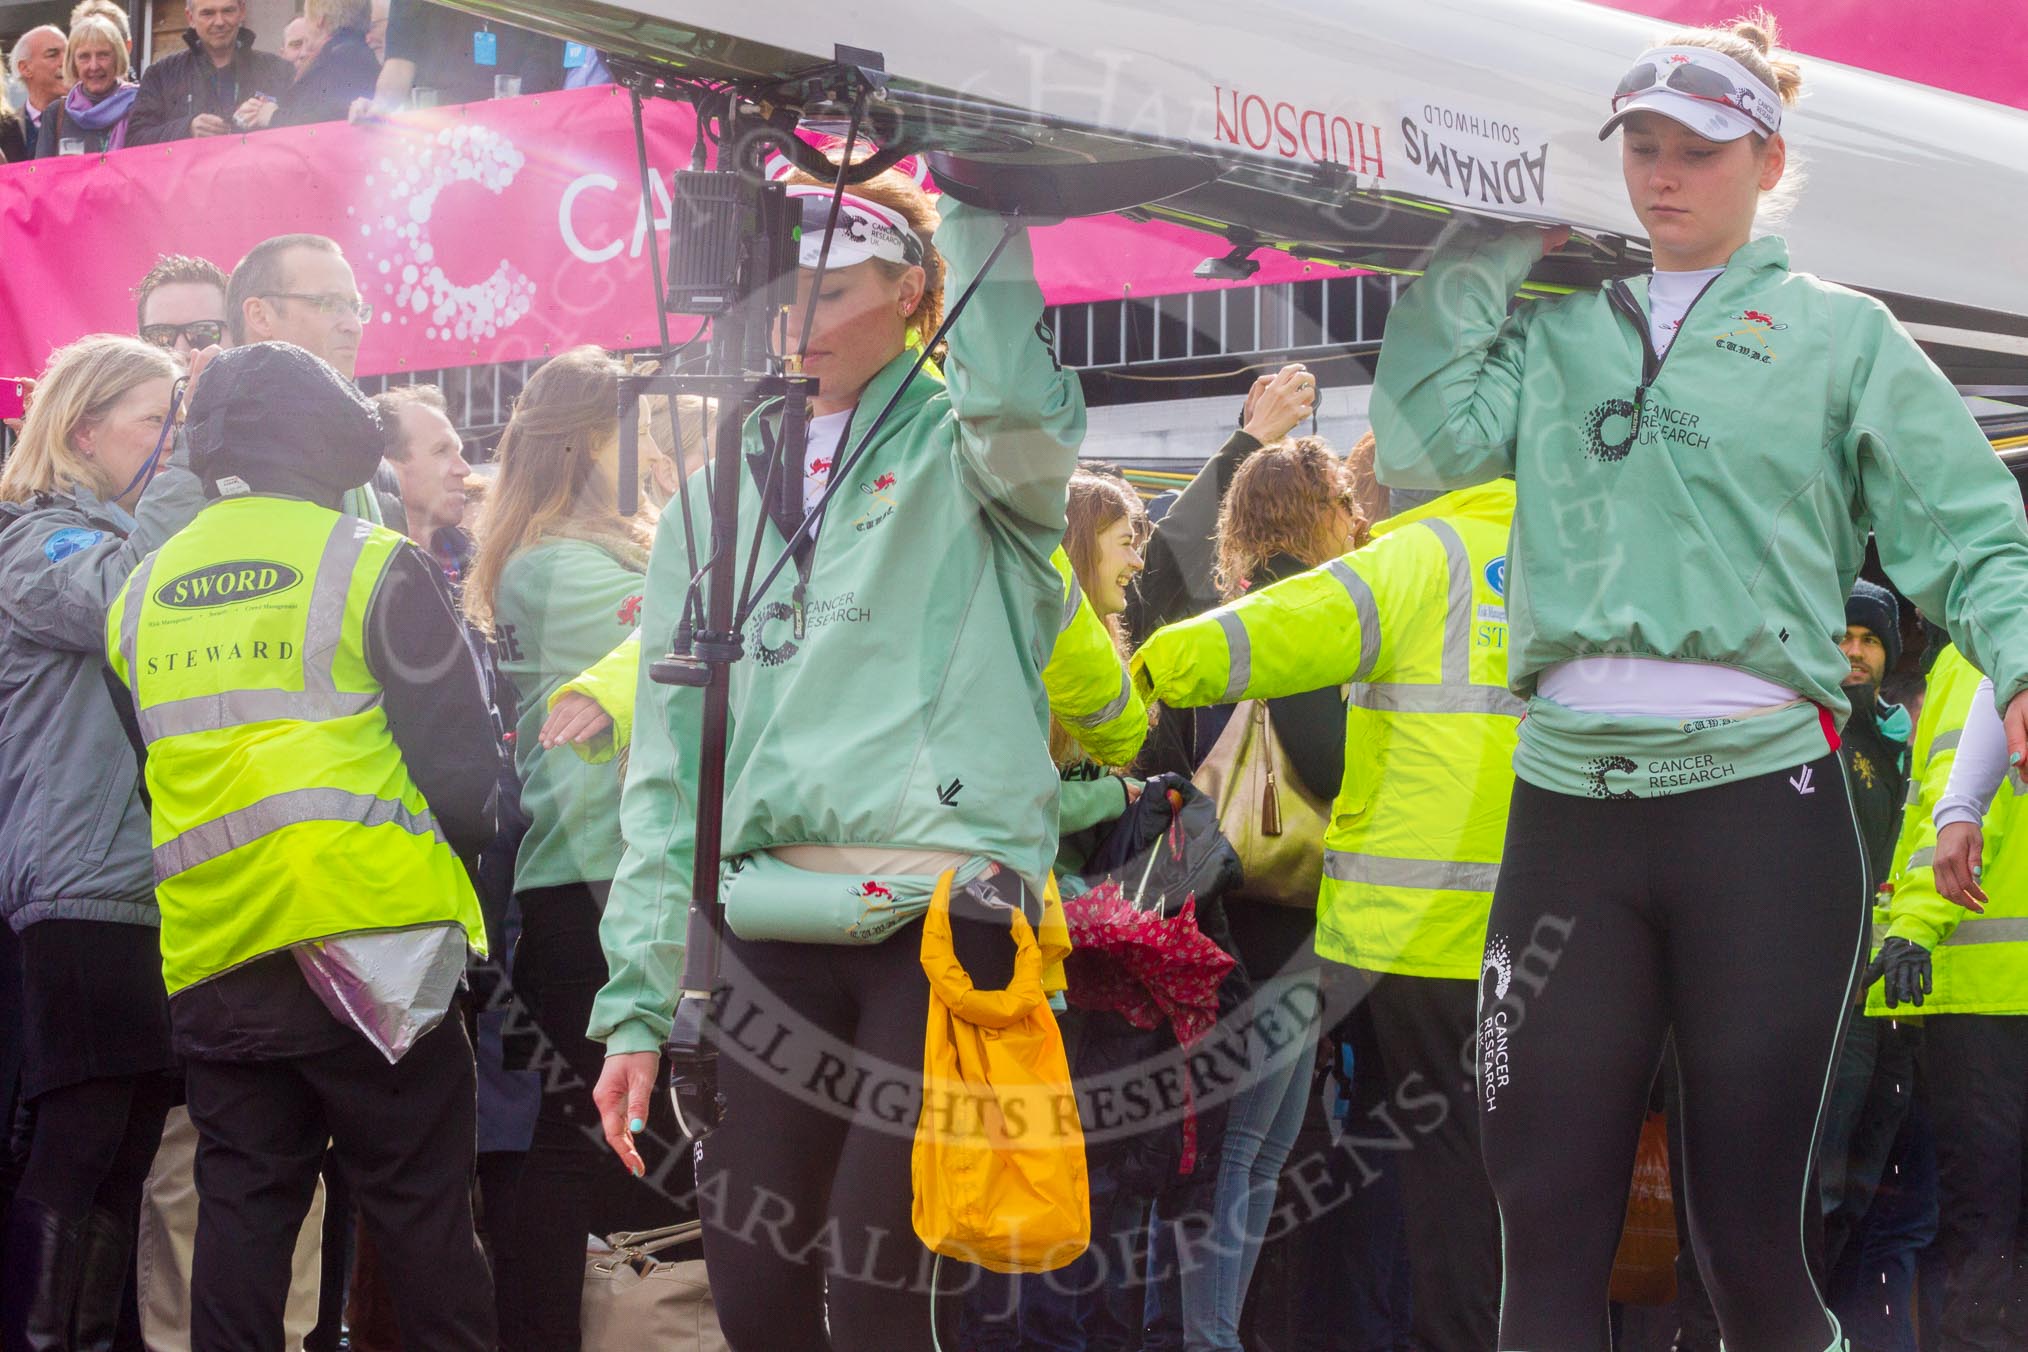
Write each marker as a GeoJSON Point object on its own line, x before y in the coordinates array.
{"type": "Point", "coordinates": [92, 118]}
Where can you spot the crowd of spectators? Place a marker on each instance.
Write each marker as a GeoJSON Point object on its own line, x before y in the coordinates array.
{"type": "Point", "coordinates": [81, 91]}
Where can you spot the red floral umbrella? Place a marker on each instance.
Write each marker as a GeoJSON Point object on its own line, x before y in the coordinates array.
{"type": "Point", "coordinates": [1142, 964]}
{"type": "Point", "coordinates": [1146, 966]}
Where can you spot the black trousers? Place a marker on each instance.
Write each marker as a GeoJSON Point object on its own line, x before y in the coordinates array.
{"type": "Point", "coordinates": [1977, 1070]}
{"type": "Point", "coordinates": [403, 1136]}
{"type": "Point", "coordinates": [804, 1187]}
{"type": "Point", "coordinates": [570, 1184]}
{"type": "Point", "coordinates": [1731, 915]}
{"type": "Point", "coordinates": [1426, 1027]}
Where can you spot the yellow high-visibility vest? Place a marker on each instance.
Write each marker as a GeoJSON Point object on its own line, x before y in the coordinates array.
{"type": "Point", "coordinates": [1417, 621]}
{"type": "Point", "coordinates": [1978, 962]}
{"type": "Point", "coordinates": [282, 809]}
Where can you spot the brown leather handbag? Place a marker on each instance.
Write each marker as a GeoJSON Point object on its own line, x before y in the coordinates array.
{"type": "Point", "coordinates": [1274, 824]}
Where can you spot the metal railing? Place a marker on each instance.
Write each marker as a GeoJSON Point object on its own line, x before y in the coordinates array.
{"type": "Point", "coordinates": [1283, 317]}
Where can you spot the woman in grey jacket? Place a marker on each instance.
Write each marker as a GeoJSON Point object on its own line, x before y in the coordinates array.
{"type": "Point", "coordinates": [76, 883]}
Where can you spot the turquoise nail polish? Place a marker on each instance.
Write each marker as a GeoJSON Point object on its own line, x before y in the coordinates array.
{"type": "Point", "coordinates": [2014, 759]}
{"type": "Point", "coordinates": [636, 1125]}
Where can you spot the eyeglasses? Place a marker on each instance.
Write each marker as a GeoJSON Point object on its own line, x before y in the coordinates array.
{"type": "Point", "coordinates": [1699, 82]}
{"type": "Point", "coordinates": [334, 306]}
{"type": "Point", "coordinates": [199, 333]}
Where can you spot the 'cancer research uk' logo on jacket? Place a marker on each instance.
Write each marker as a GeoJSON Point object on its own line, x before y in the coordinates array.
{"type": "Point", "coordinates": [1610, 430]}
{"type": "Point", "coordinates": [1496, 977]}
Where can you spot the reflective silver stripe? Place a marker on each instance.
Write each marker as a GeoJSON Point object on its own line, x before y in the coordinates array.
{"type": "Point", "coordinates": [1946, 740]}
{"type": "Point", "coordinates": [1923, 858]}
{"type": "Point", "coordinates": [1110, 712]}
{"type": "Point", "coordinates": [130, 623]}
{"type": "Point", "coordinates": [210, 713]}
{"type": "Point", "coordinates": [1389, 698]}
{"type": "Point", "coordinates": [1914, 794]}
{"type": "Point", "coordinates": [1241, 650]}
{"type": "Point", "coordinates": [1998, 929]}
{"type": "Point", "coordinates": [1368, 611]}
{"type": "Point", "coordinates": [324, 625]}
{"type": "Point", "coordinates": [1386, 871]}
{"type": "Point", "coordinates": [1071, 600]}
{"type": "Point", "coordinates": [1458, 611]}
{"type": "Point", "coordinates": [224, 834]}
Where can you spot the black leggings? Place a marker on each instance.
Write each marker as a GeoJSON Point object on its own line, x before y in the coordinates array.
{"type": "Point", "coordinates": [804, 1187]}
{"type": "Point", "coordinates": [94, 1142]}
{"type": "Point", "coordinates": [1733, 915]}
{"type": "Point", "coordinates": [570, 1185]}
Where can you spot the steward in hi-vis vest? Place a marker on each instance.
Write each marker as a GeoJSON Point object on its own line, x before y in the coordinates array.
{"type": "Point", "coordinates": [283, 810]}
{"type": "Point", "coordinates": [1417, 622]}
{"type": "Point", "coordinates": [319, 755]}
{"type": "Point", "coordinates": [1962, 976]}
{"type": "Point", "coordinates": [1978, 961]}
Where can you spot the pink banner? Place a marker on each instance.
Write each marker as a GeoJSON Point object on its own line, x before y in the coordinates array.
{"type": "Point", "coordinates": [483, 233]}
{"type": "Point", "coordinates": [1970, 46]}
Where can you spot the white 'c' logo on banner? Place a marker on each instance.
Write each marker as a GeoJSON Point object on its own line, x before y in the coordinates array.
{"type": "Point", "coordinates": [413, 284]}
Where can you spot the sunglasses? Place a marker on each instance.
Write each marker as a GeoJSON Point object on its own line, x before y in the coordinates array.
{"type": "Point", "coordinates": [199, 333]}
{"type": "Point", "coordinates": [1699, 82]}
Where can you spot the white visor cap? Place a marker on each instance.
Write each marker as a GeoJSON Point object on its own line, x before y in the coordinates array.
{"type": "Point", "coordinates": [1704, 90]}
{"type": "Point", "coordinates": [865, 230]}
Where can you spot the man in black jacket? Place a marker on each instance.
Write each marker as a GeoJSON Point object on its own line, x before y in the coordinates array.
{"type": "Point", "coordinates": [1876, 737]}
{"type": "Point", "coordinates": [195, 93]}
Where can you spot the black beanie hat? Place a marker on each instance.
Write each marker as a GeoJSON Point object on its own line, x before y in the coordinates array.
{"type": "Point", "coordinates": [283, 421]}
{"type": "Point", "coordinates": [1878, 609]}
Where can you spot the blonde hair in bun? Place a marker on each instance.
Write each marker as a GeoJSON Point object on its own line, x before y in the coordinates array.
{"type": "Point", "coordinates": [1752, 40]}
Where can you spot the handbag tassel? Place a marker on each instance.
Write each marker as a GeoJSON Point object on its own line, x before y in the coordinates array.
{"type": "Point", "coordinates": [1271, 805]}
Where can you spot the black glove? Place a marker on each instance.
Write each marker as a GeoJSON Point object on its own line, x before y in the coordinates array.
{"type": "Point", "coordinates": [1905, 966]}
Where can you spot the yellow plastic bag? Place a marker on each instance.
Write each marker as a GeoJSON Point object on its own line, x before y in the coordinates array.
{"type": "Point", "coordinates": [1053, 935]}
{"type": "Point", "coordinates": [998, 1168]}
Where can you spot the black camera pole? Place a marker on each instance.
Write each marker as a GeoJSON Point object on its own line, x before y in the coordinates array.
{"type": "Point", "coordinates": [737, 245]}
